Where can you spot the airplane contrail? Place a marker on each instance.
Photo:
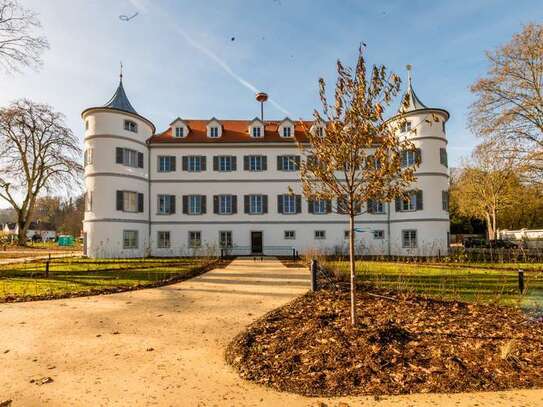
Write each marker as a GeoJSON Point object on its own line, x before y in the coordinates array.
{"type": "Point", "coordinates": [142, 7]}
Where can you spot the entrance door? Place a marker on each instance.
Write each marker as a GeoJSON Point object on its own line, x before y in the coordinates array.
{"type": "Point", "coordinates": [256, 242]}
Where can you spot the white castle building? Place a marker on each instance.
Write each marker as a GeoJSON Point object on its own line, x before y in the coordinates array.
{"type": "Point", "coordinates": [203, 185]}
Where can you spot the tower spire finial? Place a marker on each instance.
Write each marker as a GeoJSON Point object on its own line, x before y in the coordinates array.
{"type": "Point", "coordinates": [121, 72]}
{"type": "Point", "coordinates": [409, 67]}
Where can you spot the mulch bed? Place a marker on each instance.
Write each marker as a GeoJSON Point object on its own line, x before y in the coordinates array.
{"type": "Point", "coordinates": [402, 344]}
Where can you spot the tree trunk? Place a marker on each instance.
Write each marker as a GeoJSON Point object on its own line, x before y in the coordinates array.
{"type": "Point", "coordinates": [489, 227]}
{"type": "Point", "coordinates": [352, 268]}
{"type": "Point", "coordinates": [21, 232]}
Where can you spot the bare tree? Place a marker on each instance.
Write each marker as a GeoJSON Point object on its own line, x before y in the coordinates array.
{"type": "Point", "coordinates": [486, 187]}
{"type": "Point", "coordinates": [37, 153]}
{"type": "Point", "coordinates": [509, 108]}
{"type": "Point", "coordinates": [19, 45]}
{"type": "Point", "coordinates": [355, 157]}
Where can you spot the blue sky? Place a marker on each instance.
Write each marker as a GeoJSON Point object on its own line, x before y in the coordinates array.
{"type": "Point", "coordinates": [175, 53]}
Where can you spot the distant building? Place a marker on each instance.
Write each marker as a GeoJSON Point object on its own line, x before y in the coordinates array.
{"type": "Point", "coordinates": [202, 185]}
{"type": "Point", "coordinates": [42, 229]}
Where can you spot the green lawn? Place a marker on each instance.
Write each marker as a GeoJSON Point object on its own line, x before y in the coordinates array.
{"type": "Point", "coordinates": [473, 282]}
{"type": "Point", "coordinates": [77, 275]}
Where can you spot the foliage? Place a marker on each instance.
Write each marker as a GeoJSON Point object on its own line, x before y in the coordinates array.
{"type": "Point", "coordinates": [509, 108]}
{"type": "Point", "coordinates": [64, 214]}
{"type": "Point", "coordinates": [19, 45]}
{"type": "Point", "coordinates": [37, 153]}
{"type": "Point", "coordinates": [352, 153]}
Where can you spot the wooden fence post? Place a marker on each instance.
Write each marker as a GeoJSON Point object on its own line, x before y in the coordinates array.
{"type": "Point", "coordinates": [521, 285]}
{"type": "Point", "coordinates": [314, 270]}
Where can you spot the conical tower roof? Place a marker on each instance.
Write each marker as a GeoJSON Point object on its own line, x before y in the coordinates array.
{"type": "Point", "coordinates": [119, 100]}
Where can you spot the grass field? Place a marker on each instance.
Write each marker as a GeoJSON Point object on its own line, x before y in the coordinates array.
{"type": "Point", "coordinates": [474, 282]}
{"type": "Point", "coordinates": [79, 275]}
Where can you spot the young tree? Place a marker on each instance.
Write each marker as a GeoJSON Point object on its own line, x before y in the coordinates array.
{"type": "Point", "coordinates": [486, 187]}
{"type": "Point", "coordinates": [37, 153]}
{"type": "Point", "coordinates": [509, 108]}
{"type": "Point", "coordinates": [19, 46]}
{"type": "Point", "coordinates": [355, 157]}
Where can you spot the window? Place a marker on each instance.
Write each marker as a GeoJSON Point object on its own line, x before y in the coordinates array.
{"type": "Point", "coordinates": [410, 157]}
{"type": "Point", "coordinates": [405, 126]}
{"type": "Point", "coordinates": [194, 204]}
{"type": "Point", "coordinates": [194, 163]}
{"type": "Point", "coordinates": [195, 239]}
{"type": "Point", "coordinates": [288, 162]}
{"type": "Point", "coordinates": [409, 239]}
{"type": "Point", "coordinates": [166, 204]}
{"type": "Point", "coordinates": [130, 200]}
{"type": "Point", "coordinates": [375, 206]}
{"type": "Point", "coordinates": [88, 157]}
{"type": "Point", "coordinates": [179, 132]}
{"type": "Point", "coordinates": [131, 126]}
{"type": "Point", "coordinates": [224, 163]}
{"type": "Point", "coordinates": [443, 157]}
{"type": "Point", "coordinates": [320, 206]}
{"type": "Point", "coordinates": [445, 200]}
{"type": "Point", "coordinates": [88, 201]}
{"type": "Point", "coordinates": [130, 239]}
{"type": "Point", "coordinates": [290, 234]}
{"type": "Point", "coordinates": [287, 131]}
{"type": "Point", "coordinates": [255, 163]}
{"type": "Point", "coordinates": [256, 204]}
{"type": "Point", "coordinates": [412, 203]}
{"type": "Point", "coordinates": [225, 204]}
{"type": "Point", "coordinates": [163, 240]}
{"type": "Point", "coordinates": [214, 132]}
{"type": "Point", "coordinates": [225, 239]}
{"type": "Point", "coordinates": [289, 204]}
{"type": "Point", "coordinates": [128, 157]}
{"type": "Point", "coordinates": [166, 163]}
{"type": "Point", "coordinates": [379, 234]}
{"type": "Point", "coordinates": [443, 126]}
{"type": "Point", "coordinates": [86, 124]}
{"type": "Point", "coordinates": [320, 234]}
{"type": "Point", "coordinates": [346, 234]}
{"type": "Point", "coordinates": [257, 132]}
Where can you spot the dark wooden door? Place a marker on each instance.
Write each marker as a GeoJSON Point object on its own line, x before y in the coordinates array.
{"type": "Point", "coordinates": [256, 242]}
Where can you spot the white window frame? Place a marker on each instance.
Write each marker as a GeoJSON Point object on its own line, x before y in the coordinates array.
{"type": "Point", "coordinates": [319, 206]}
{"type": "Point", "coordinates": [194, 163]}
{"type": "Point", "coordinates": [379, 234]}
{"type": "Point", "coordinates": [378, 207]}
{"type": "Point", "coordinates": [410, 157]}
{"type": "Point", "coordinates": [225, 239]}
{"type": "Point", "coordinates": [130, 157]}
{"type": "Point", "coordinates": [225, 204]}
{"type": "Point", "coordinates": [289, 163]}
{"type": "Point", "coordinates": [131, 126]}
{"type": "Point", "coordinates": [406, 126]}
{"type": "Point", "coordinates": [130, 201]}
{"type": "Point", "coordinates": [214, 132]}
{"type": "Point", "coordinates": [163, 239]}
{"type": "Point", "coordinates": [409, 239]}
{"type": "Point", "coordinates": [320, 234]}
{"type": "Point", "coordinates": [194, 205]}
{"type": "Point", "coordinates": [410, 204]}
{"type": "Point", "coordinates": [225, 163]}
{"type": "Point", "coordinates": [287, 132]}
{"type": "Point", "coordinates": [88, 201]}
{"type": "Point", "coordinates": [289, 204]}
{"type": "Point", "coordinates": [128, 241]}
{"type": "Point", "coordinates": [179, 132]}
{"type": "Point", "coordinates": [89, 156]}
{"type": "Point", "coordinates": [165, 163]}
{"type": "Point", "coordinates": [257, 132]}
{"type": "Point", "coordinates": [195, 238]}
{"type": "Point", "coordinates": [256, 163]}
{"type": "Point", "coordinates": [164, 204]}
{"type": "Point", "coordinates": [256, 204]}
{"type": "Point", "coordinates": [289, 235]}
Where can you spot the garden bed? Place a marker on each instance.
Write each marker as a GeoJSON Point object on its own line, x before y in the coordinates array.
{"type": "Point", "coordinates": [402, 344]}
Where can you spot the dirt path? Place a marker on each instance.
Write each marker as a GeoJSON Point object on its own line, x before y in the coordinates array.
{"type": "Point", "coordinates": [165, 346]}
{"type": "Point", "coordinates": [40, 256]}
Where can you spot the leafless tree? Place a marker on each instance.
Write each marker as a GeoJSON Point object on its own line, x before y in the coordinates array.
{"type": "Point", "coordinates": [509, 108]}
{"type": "Point", "coordinates": [37, 153]}
{"type": "Point", "coordinates": [356, 157]}
{"type": "Point", "coordinates": [19, 45]}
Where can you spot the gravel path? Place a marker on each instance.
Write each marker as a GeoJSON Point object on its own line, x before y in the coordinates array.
{"type": "Point", "coordinates": [165, 346]}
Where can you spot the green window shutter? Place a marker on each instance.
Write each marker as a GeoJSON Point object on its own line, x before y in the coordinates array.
{"type": "Point", "coordinates": [370, 206]}
{"type": "Point", "coordinates": [279, 203]}
{"type": "Point", "coordinates": [172, 204]}
{"type": "Point", "coordinates": [185, 163]}
{"type": "Point", "coordinates": [203, 161]}
{"type": "Point", "coordinates": [140, 202]}
{"type": "Point", "coordinates": [234, 163]}
{"type": "Point", "coordinates": [264, 163]}
{"type": "Point", "coordinates": [418, 156]}
{"type": "Point", "coordinates": [246, 203]}
{"type": "Point", "coordinates": [140, 160]}
{"type": "Point", "coordinates": [203, 205]}
{"type": "Point", "coordinates": [119, 155]}
{"type": "Point", "coordinates": [279, 163]}
{"type": "Point", "coordinates": [120, 200]}
{"type": "Point", "coordinates": [419, 200]}
{"type": "Point", "coordinates": [328, 206]}
{"type": "Point", "coordinates": [298, 203]}
{"type": "Point", "coordinates": [297, 161]}
{"type": "Point", "coordinates": [310, 207]}
{"type": "Point", "coordinates": [215, 204]}
{"type": "Point", "coordinates": [234, 204]}
{"type": "Point", "coordinates": [403, 159]}
{"type": "Point", "coordinates": [215, 163]}
{"type": "Point", "coordinates": [398, 204]}
{"type": "Point", "coordinates": [174, 162]}
{"type": "Point", "coordinates": [185, 204]}
{"type": "Point", "coordinates": [246, 163]}
{"type": "Point", "coordinates": [264, 203]}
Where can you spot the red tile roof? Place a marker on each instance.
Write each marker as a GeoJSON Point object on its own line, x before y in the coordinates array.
{"type": "Point", "coordinates": [233, 131]}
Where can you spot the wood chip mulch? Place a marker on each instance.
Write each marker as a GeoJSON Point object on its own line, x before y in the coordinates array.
{"type": "Point", "coordinates": [402, 344]}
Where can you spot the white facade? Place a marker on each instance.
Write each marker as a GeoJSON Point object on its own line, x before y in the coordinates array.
{"type": "Point", "coordinates": [111, 231]}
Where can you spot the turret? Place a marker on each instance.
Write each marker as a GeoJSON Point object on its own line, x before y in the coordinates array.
{"type": "Point", "coordinates": [116, 178]}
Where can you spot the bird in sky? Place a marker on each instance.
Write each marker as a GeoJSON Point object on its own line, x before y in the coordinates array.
{"type": "Point", "coordinates": [123, 17]}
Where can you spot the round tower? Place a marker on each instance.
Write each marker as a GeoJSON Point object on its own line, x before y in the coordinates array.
{"type": "Point", "coordinates": [116, 222]}
{"type": "Point", "coordinates": [421, 226]}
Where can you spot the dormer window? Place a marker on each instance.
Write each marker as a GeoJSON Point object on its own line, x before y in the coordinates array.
{"type": "Point", "coordinates": [317, 129]}
{"type": "Point", "coordinates": [320, 131]}
{"type": "Point", "coordinates": [257, 132]}
{"type": "Point", "coordinates": [213, 132]}
{"type": "Point", "coordinates": [131, 126]}
{"type": "Point", "coordinates": [287, 131]}
{"type": "Point", "coordinates": [179, 132]}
